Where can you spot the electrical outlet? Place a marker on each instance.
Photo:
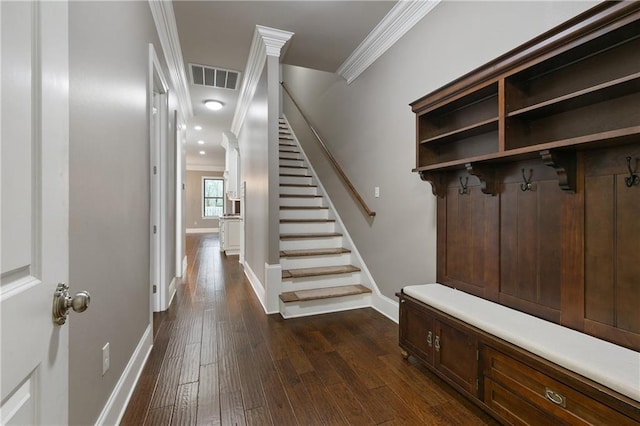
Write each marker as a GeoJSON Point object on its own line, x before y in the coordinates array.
{"type": "Point", "coordinates": [376, 192]}
{"type": "Point", "coordinates": [105, 359]}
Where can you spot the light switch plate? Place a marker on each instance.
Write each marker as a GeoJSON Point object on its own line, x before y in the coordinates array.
{"type": "Point", "coordinates": [105, 359]}
{"type": "Point", "coordinates": [376, 192]}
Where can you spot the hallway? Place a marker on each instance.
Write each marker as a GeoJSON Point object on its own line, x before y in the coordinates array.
{"type": "Point", "coordinates": [217, 359]}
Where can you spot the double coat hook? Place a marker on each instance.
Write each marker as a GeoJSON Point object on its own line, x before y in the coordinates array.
{"type": "Point", "coordinates": [527, 185]}
{"type": "Point", "coordinates": [463, 186]}
{"type": "Point", "coordinates": [632, 179]}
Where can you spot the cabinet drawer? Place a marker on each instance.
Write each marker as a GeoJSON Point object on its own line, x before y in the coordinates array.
{"type": "Point", "coordinates": [513, 408]}
{"type": "Point", "coordinates": [543, 392]}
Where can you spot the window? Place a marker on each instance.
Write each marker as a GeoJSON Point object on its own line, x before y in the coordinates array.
{"type": "Point", "coordinates": [212, 197]}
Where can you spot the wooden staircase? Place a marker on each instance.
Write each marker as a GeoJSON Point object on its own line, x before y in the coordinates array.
{"type": "Point", "coordinates": [318, 274]}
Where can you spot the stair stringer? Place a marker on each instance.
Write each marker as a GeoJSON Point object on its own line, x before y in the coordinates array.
{"type": "Point", "coordinates": [376, 299]}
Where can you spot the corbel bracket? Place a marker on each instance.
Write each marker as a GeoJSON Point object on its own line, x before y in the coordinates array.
{"type": "Point", "coordinates": [436, 180]}
{"type": "Point", "coordinates": [486, 175]}
{"type": "Point", "coordinates": [564, 164]}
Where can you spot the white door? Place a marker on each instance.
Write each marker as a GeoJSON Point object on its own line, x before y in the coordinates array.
{"type": "Point", "coordinates": [34, 127]}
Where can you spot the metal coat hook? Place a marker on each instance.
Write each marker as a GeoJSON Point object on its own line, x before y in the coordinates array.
{"type": "Point", "coordinates": [463, 186]}
{"type": "Point", "coordinates": [632, 179]}
{"type": "Point", "coordinates": [527, 185]}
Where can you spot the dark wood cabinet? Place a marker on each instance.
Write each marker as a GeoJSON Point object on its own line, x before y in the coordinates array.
{"type": "Point", "coordinates": [441, 344]}
{"type": "Point", "coordinates": [514, 385]}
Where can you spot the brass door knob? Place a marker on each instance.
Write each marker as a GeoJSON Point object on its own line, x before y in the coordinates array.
{"type": "Point", "coordinates": [62, 301]}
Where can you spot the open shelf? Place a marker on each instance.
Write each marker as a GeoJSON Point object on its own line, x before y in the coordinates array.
{"type": "Point", "coordinates": [466, 132]}
{"type": "Point", "coordinates": [610, 138]}
{"type": "Point", "coordinates": [599, 93]}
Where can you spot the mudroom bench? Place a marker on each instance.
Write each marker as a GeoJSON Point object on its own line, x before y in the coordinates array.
{"type": "Point", "coordinates": [520, 368]}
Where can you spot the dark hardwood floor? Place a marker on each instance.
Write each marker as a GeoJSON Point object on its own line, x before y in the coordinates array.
{"type": "Point", "coordinates": [219, 360]}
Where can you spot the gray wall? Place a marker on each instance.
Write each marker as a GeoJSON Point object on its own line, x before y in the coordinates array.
{"type": "Point", "coordinates": [194, 200]}
{"type": "Point", "coordinates": [370, 128]}
{"type": "Point", "coordinates": [253, 142]}
{"type": "Point", "coordinates": [109, 193]}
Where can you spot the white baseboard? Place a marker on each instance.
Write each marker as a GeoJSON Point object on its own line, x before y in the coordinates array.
{"type": "Point", "coordinates": [273, 278]}
{"type": "Point", "coordinates": [202, 230]}
{"type": "Point", "coordinates": [386, 306]}
{"type": "Point", "coordinates": [117, 404]}
{"type": "Point", "coordinates": [172, 293]}
{"type": "Point", "coordinates": [256, 284]}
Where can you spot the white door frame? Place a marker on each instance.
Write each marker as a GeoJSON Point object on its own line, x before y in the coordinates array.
{"type": "Point", "coordinates": [157, 91]}
{"type": "Point", "coordinates": [180, 139]}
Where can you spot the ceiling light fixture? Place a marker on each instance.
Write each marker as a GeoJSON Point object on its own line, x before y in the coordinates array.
{"type": "Point", "coordinates": [202, 152]}
{"type": "Point", "coordinates": [197, 127]}
{"type": "Point", "coordinates": [213, 105]}
{"type": "Point", "coordinates": [201, 142]}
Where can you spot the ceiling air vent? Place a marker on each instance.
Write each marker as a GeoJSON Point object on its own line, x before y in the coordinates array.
{"type": "Point", "coordinates": [214, 77]}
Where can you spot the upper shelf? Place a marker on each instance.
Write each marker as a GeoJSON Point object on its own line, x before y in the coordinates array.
{"type": "Point", "coordinates": [601, 92]}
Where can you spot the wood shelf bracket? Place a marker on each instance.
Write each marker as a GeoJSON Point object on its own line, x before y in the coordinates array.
{"type": "Point", "coordinates": [486, 175]}
{"type": "Point", "coordinates": [564, 164]}
{"type": "Point", "coordinates": [436, 180]}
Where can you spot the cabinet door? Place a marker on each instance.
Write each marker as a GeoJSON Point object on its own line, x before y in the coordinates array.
{"type": "Point", "coordinates": [416, 332]}
{"type": "Point", "coordinates": [456, 355]}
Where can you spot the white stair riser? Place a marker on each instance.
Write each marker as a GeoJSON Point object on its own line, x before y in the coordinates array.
{"type": "Point", "coordinates": [296, 180]}
{"type": "Point", "coordinates": [311, 243]}
{"type": "Point", "coordinates": [307, 228]}
{"type": "Point", "coordinates": [299, 190]}
{"type": "Point", "coordinates": [304, 202]}
{"type": "Point", "coordinates": [321, 306]}
{"type": "Point", "coordinates": [322, 281]}
{"type": "Point", "coordinates": [304, 214]}
{"type": "Point", "coordinates": [294, 171]}
{"type": "Point", "coordinates": [315, 261]}
{"type": "Point", "coordinates": [291, 162]}
{"type": "Point", "coordinates": [291, 156]}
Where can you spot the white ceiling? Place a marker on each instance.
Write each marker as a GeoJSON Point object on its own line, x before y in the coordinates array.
{"type": "Point", "coordinates": [219, 34]}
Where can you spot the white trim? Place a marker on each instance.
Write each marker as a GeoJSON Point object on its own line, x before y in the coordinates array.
{"type": "Point", "coordinates": [273, 288]}
{"type": "Point", "coordinates": [165, 21]}
{"type": "Point", "coordinates": [256, 284]}
{"type": "Point", "coordinates": [387, 307]}
{"type": "Point", "coordinates": [119, 399]}
{"type": "Point", "coordinates": [184, 265]}
{"type": "Point", "coordinates": [180, 133]}
{"type": "Point", "coordinates": [202, 231]}
{"type": "Point", "coordinates": [266, 42]}
{"type": "Point", "coordinates": [172, 293]}
{"type": "Point", "coordinates": [203, 168]}
{"type": "Point", "coordinates": [400, 19]}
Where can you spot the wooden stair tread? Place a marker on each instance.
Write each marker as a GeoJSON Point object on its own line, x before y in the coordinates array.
{"type": "Point", "coordinates": [307, 220]}
{"type": "Point", "coordinates": [323, 293]}
{"type": "Point", "coordinates": [322, 270]}
{"type": "Point", "coordinates": [314, 252]}
{"type": "Point", "coordinates": [310, 235]}
{"type": "Point", "coordinates": [294, 175]}
{"type": "Point", "coordinates": [294, 167]}
{"type": "Point", "coordinates": [299, 196]}
{"type": "Point", "coordinates": [303, 208]}
{"type": "Point", "coordinates": [299, 185]}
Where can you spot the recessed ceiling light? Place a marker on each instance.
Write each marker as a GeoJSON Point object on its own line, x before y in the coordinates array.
{"type": "Point", "coordinates": [213, 105]}
{"type": "Point", "coordinates": [200, 142]}
{"type": "Point", "coordinates": [197, 127]}
{"type": "Point", "coordinates": [202, 152]}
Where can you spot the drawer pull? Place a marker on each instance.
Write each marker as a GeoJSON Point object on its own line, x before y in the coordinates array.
{"type": "Point", "coordinates": [555, 397]}
{"type": "Point", "coordinates": [429, 339]}
{"type": "Point", "coordinates": [437, 344]}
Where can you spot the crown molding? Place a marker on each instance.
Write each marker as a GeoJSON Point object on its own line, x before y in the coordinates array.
{"type": "Point", "coordinates": [165, 20]}
{"type": "Point", "coordinates": [400, 19]}
{"type": "Point", "coordinates": [266, 42]}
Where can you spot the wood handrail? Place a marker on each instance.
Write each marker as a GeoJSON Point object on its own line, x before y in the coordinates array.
{"type": "Point", "coordinates": [334, 163]}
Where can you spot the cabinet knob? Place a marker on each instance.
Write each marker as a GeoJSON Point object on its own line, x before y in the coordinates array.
{"type": "Point", "coordinates": [437, 344]}
{"type": "Point", "coordinates": [429, 339]}
{"type": "Point", "coordinates": [555, 397]}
